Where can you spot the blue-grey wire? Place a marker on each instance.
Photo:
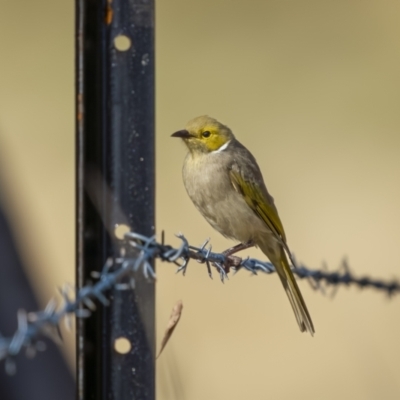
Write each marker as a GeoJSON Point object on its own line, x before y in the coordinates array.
{"type": "Point", "coordinates": [143, 249]}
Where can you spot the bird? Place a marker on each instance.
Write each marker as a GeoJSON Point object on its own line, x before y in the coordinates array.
{"type": "Point", "coordinates": [225, 183]}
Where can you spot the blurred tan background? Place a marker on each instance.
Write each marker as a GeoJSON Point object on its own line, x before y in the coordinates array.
{"type": "Point", "coordinates": [312, 88]}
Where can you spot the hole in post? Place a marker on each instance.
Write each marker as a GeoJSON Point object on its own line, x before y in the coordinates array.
{"type": "Point", "coordinates": [122, 345]}
{"type": "Point", "coordinates": [120, 230]}
{"type": "Point", "coordinates": [122, 43]}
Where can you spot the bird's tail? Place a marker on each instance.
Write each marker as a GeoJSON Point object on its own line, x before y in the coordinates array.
{"type": "Point", "coordinates": [292, 289]}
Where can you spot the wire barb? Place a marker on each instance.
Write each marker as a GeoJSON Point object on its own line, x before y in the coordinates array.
{"type": "Point", "coordinates": [136, 256]}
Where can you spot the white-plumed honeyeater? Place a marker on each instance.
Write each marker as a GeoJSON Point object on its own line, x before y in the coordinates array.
{"type": "Point", "coordinates": [225, 184]}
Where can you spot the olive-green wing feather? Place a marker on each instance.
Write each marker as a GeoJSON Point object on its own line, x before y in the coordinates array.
{"type": "Point", "coordinates": [256, 198]}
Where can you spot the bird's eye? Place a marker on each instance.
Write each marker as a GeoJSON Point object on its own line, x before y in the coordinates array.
{"type": "Point", "coordinates": [206, 134]}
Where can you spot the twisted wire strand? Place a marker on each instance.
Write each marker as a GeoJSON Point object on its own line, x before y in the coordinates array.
{"type": "Point", "coordinates": [119, 273]}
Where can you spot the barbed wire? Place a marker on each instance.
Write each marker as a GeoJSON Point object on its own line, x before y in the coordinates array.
{"type": "Point", "coordinates": [137, 253]}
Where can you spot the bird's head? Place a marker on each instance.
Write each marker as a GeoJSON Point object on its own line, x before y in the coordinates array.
{"type": "Point", "coordinates": [204, 135]}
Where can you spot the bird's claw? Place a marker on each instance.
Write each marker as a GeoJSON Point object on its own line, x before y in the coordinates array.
{"type": "Point", "coordinates": [222, 271]}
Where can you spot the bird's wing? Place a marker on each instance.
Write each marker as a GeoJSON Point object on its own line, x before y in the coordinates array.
{"type": "Point", "coordinates": [248, 182]}
{"type": "Point", "coordinates": [257, 198]}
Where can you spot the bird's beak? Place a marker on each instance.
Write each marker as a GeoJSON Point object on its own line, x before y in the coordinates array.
{"type": "Point", "coordinates": [184, 134]}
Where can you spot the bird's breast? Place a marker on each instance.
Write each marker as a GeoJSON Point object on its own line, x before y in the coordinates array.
{"type": "Point", "coordinates": [208, 184]}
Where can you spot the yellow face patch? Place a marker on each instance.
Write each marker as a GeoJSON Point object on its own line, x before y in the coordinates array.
{"type": "Point", "coordinates": [212, 138]}
{"type": "Point", "coordinates": [206, 134]}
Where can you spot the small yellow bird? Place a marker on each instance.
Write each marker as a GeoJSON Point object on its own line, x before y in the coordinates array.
{"type": "Point", "coordinates": [225, 183]}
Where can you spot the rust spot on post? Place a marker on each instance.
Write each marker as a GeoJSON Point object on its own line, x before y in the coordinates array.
{"type": "Point", "coordinates": [79, 114]}
{"type": "Point", "coordinates": [109, 13]}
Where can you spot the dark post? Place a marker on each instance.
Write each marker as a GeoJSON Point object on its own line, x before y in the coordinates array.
{"type": "Point", "coordinates": [115, 184]}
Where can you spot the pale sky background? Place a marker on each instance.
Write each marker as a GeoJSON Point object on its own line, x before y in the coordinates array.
{"type": "Point", "coordinates": [312, 88]}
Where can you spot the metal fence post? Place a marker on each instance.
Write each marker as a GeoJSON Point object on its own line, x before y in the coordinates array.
{"type": "Point", "coordinates": [115, 143]}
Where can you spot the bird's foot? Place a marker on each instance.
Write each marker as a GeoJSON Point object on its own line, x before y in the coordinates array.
{"type": "Point", "coordinates": [233, 250]}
